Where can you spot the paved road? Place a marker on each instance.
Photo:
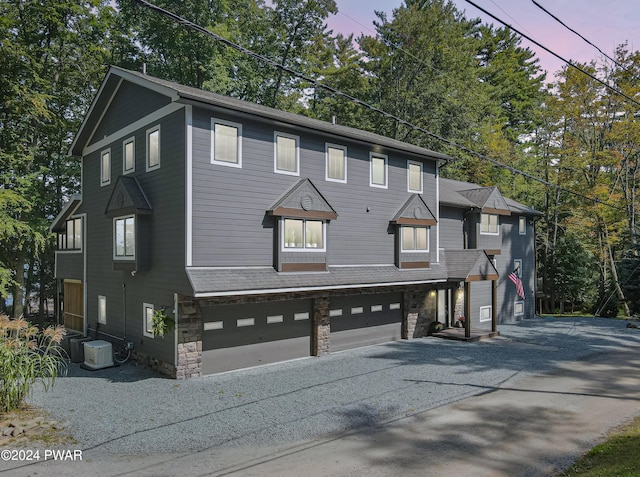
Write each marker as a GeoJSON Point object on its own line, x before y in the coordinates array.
{"type": "Point", "coordinates": [525, 404]}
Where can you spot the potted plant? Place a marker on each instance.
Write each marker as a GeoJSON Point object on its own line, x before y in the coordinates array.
{"type": "Point", "coordinates": [162, 323]}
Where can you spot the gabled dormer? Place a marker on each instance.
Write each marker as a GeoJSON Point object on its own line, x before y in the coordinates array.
{"type": "Point", "coordinates": [131, 213]}
{"type": "Point", "coordinates": [302, 217]}
{"type": "Point", "coordinates": [483, 223]}
{"type": "Point", "coordinates": [412, 226]}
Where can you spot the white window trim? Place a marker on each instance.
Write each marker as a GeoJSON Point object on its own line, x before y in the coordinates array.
{"type": "Point", "coordinates": [102, 319]}
{"type": "Point", "coordinates": [522, 220]}
{"type": "Point", "coordinates": [113, 243]}
{"type": "Point", "coordinates": [421, 165]}
{"type": "Point", "coordinates": [275, 153]}
{"type": "Point", "coordinates": [517, 265]}
{"type": "Point", "coordinates": [515, 308]}
{"type": "Point", "coordinates": [489, 233]}
{"type": "Point", "coordinates": [149, 132]}
{"type": "Point", "coordinates": [482, 308]}
{"type": "Point", "coordinates": [124, 155]}
{"type": "Point", "coordinates": [145, 307]}
{"type": "Point", "coordinates": [102, 181]}
{"type": "Point", "coordinates": [386, 170]}
{"type": "Point", "coordinates": [303, 249]}
{"type": "Point", "coordinates": [238, 126]}
{"type": "Point", "coordinates": [326, 161]}
{"type": "Point", "coordinates": [414, 227]}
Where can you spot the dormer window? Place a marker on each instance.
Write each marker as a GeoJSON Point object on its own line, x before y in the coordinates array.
{"type": "Point", "coordinates": [302, 219]}
{"type": "Point", "coordinates": [304, 234]}
{"type": "Point", "coordinates": [414, 239]}
{"type": "Point", "coordinates": [413, 224]}
{"type": "Point", "coordinates": [489, 224]}
{"type": "Point", "coordinates": [124, 238]}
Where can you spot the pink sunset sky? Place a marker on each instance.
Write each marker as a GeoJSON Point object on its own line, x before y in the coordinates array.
{"type": "Point", "coordinates": [604, 23]}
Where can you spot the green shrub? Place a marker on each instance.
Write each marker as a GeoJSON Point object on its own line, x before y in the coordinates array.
{"type": "Point", "coordinates": [27, 356]}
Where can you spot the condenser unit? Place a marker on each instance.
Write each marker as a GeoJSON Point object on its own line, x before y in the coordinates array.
{"type": "Point", "coordinates": [98, 354]}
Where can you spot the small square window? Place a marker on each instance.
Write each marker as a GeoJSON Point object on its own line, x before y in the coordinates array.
{"type": "Point", "coordinates": [286, 154]}
{"type": "Point", "coordinates": [489, 224]}
{"type": "Point", "coordinates": [336, 159]}
{"type": "Point", "coordinates": [485, 313]}
{"type": "Point", "coordinates": [105, 167]}
{"type": "Point", "coordinates": [414, 177]}
{"type": "Point", "coordinates": [518, 308]}
{"type": "Point", "coordinates": [522, 225]}
{"type": "Point", "coordinates": [226, 143]}
{"type": "Point", "coordinates": [129, 156]}
{"type": "Point", "coordinates": [147, 316]}
{"type": "Point", "coordinates": [378, 170]}
{"type": "Point", "coordinates": [153, 148]}
{"type": "Point", "coordinates": [102, 309]}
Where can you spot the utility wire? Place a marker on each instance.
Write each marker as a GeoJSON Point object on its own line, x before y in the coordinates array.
{"type": "Point", "coordinates": [606, 85]}
{"type": "Point", "coordinates": [190, 24]}
{"type": "Point", "coordinates": [575, 32]}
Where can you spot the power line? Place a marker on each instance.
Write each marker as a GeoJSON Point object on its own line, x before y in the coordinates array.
{"type": "Point", "coordinates": [611, 88]}
{"type": "Point", "coordinates": [190, 24]}
{"type": "Point", "coordinates": [575, 32]}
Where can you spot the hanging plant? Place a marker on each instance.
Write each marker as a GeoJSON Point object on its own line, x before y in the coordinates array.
{"type": "Point", "coordinates": [162, 323]}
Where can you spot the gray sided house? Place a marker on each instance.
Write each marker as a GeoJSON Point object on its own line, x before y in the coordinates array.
{"type": "Point", "coordinates": [270, 236]}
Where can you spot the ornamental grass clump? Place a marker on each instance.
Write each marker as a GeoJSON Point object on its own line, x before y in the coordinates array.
{"type": "Point", "coordinates": [27, 356]}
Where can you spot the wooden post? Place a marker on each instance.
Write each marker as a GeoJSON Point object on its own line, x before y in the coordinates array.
{"type": "Point", "coordinates": [494, 306]}
{"type": "Point", "coordinates": [467, 309]}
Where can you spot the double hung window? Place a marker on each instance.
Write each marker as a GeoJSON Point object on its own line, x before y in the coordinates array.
{"type": "Point", "coordinates": [378, 174]}
{"type": "Point", "coordinates": [286, 154]}
{"type": "Point", "coordinates": [336, 159]}
{"type": "Point", "coordinates": [226, 143]}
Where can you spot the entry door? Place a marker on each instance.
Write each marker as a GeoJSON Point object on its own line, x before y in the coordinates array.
{"type": "Point", "coordinates": [73, 305]}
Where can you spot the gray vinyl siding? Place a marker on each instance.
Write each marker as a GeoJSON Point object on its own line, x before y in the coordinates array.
{"type": "Point", "coordinates": [451, 228]}
{"type": "Point", "coordinates": [484, 241]}
{"type": "Point", "coordinates": [69, 265]}
{"type": "Point", "coordinates": [230, 225]}
{"type": "Point", "coordinates": [516, 247]}
{"type": "Point", "coordinates": [131, 103]}
{"type": "Point", "coordinates": [164, 189]}
{"type": "Point", "coordinates": [480, 297]}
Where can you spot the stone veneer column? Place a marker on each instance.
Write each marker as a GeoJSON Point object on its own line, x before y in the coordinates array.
{"type": "Point", "coordinates": [321, 326]}
{"type": "Point", "coordinates": [411, 310]}
{"type": "Point", "coordinates": [189, 340]}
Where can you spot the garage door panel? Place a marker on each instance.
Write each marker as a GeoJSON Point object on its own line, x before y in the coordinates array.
{"type": "Point", "coordinates": [363, 320]}
{"type": "Point", "coordinates": [233, 335]}
{"type": "Point", "coordinates": [227, 359]}
{"type": "Point", "coordinates": [239, 336]}
{"type": "Point", "coordinates": [364, 337]}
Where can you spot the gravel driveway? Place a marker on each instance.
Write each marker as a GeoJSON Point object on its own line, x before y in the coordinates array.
{"type": "Point", "coordinates": [131, 410]}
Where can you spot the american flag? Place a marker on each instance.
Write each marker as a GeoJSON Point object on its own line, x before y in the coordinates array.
{"type": "Point", "coordinates": [513, 276]}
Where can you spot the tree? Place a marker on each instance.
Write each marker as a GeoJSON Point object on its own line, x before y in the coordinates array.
{"type": "Point", "coordinates": [52, 55]}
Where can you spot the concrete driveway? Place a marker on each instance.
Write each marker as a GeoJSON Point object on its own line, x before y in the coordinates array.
{"type": "Point", "coordinates": [525, 404]}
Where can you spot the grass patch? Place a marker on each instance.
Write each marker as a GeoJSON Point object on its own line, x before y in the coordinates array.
{"type": "Point", "coordinates": [41, 429]}
{"type": "Point", "coordinates": [619, 456]}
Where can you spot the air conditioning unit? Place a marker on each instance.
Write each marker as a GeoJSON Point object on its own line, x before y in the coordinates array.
{"type": "Point", "coordinates": [98, 354]}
